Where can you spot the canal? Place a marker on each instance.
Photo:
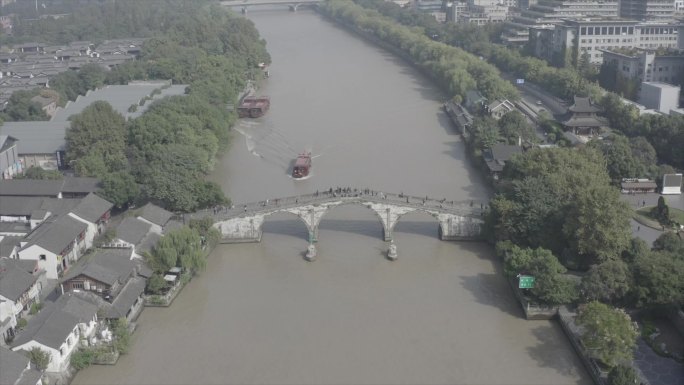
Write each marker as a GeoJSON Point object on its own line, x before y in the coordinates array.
{"type": "Point", "coordinates": [260, 314]}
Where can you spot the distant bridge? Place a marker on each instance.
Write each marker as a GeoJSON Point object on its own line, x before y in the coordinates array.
{"type": "Point", "coordinates": [242, 223]}
{"type": "Point", "coordinates": [292, 4]}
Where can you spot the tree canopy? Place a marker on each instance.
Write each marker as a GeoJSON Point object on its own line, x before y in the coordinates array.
{"type": "Point", "coordinates": [561, 199]}
{"type": "Point", "coordinates": [608, 333]}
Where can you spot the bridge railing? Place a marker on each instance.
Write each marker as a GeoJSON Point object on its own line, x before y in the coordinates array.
{"type": "Point", "coordinates": [472, 208]}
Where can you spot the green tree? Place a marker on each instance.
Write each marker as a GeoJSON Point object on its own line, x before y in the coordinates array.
{"type": "Point", "coordinates": [81, 358]}
{"type": "Point", "coordinates": [561, 200]}
{"type": "Point", "coordinates": [122, 336]}
{"type": "Point", "coordinates": [608, 333]}
{"type": "Point", "coordinates": [40, 358]}
{"type": "Point", "coordinates": [486, 132]}
{"type": "Point", "coordinates": [622, 375]}
{"type": "Point", "coordinates": [21, 108]}
{"type": "Point", "coordinates": [96, 140]}
{"type": "Point", "coordinates": [156, 284]}
{"type": "Point", "coordinates": [181, 247]}
{"type": "Point", "coordinates": [551, 286]}
{"type": "Point", "coordinates": [669, 241]}
{"type": "Point", "coordinates": [608, 282]}
{"type": "Point", "coordinates": [662, 212]}
{"type": "Point", "coordinates": [513, 126]}
{"type": "Point", "coordinates": [659, 279]}
{"type": "Point", "coordinates": [120, 188]}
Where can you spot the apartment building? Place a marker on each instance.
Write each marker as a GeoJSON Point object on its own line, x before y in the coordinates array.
{"type": "Point", "coordinates": [647, 65]}
{"type": "Point", "coordinates": [594, 36]}
{"type": "Point", "coordinates": [662, 10]}
{"type": "Point", "coordinates": [543, 13]}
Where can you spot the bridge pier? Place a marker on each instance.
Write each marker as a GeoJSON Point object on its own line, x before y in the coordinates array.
{"type": "Point", "coordinates": [457, 228]}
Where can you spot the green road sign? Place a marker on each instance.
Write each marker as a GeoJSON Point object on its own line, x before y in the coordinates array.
{"type": "Point", "coordinates": [526, 281]}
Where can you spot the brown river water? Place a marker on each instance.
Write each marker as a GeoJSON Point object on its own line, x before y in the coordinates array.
{"type": "Point", "coordinates": [441, 314]}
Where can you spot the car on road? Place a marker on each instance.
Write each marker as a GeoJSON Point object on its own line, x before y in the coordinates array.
{"type": "Point", "coordinates": [539, 102]}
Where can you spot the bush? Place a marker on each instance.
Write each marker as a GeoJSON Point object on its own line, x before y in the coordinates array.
{"type": "Point", "coordinates": [21, 323]}
{"type": "Point", "coordinates": [82, 358]}
{"type": "Point", "coordinates": [133, 108]}
{"type": "Point", "coordinates": [122, 336]}
{"type": "Point", "coordinates": [622, 375]}
{"type": "Point", "coordinates": [35, 308]}
{"type": "Point", "coordinates": [40, 358]}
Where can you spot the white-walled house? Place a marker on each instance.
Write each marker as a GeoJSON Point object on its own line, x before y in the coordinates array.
{"type": "Point", "coordinates": [19, 289]}
{"type": "Point", "coordinates": [58, 329]}
{"type": "Point", "coordinates": [55, 245]}
{"type": "Point", "coordinates": [94, 212]}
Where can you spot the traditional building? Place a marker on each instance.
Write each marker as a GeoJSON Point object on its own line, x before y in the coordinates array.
{"type": "Point", "coordinates": [117, 280]}
{"type": "Point", "coordinates": [583, 119]}
{"type": "Point", "coordinates": [58, 330]}
{"type": "Point", "coordinates": [497, 156]}
{"type": "Point", "coordinates": [19, 289]}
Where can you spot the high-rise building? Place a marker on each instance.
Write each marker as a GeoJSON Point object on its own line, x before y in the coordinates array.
{"type": "Point", "coordinates": [657, 10]}
{"type": "Point", "coordinates": [546, 12]}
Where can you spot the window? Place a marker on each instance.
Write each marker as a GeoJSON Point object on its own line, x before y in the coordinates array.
{"type": "Point", "coordinates": [77, 285]}
{"type": "Point", "coordinates": [42, 257]}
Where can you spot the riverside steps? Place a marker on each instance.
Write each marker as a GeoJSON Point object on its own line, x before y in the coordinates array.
{"type": "Point", "coordinates": [458, 221]}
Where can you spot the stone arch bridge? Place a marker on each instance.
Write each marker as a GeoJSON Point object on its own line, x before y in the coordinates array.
{"type": "Point", "coordinates": [292, 4]}
{"type": "Point", "coordinates": [242, 223]}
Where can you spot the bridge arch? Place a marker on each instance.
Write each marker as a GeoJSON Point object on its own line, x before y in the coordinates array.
{"type": "Point", "coordinates": [402, 221]}
{"type": "Point", "coordinates": [288, 214]}
{"type": "Point", "coordinates": [353, 203]}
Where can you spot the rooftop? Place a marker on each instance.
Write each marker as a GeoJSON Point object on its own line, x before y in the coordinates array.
{"type": "Point", "coordinates": [56, 236]}
{"type": "Point", "coordinates": [14, 279]}
{"type": "Point", "coordinates": [132, 230]}
{"type": "Point", "coordinates": [107, 266]}
{"type": "Point", "coordinates": [53, 324]}
{"type": "Point", "coordinates": [92, 208]}
{"type": "Point", "coordinates": [155, 214]}
{"type": "Point", "coordinates": [16, 369]}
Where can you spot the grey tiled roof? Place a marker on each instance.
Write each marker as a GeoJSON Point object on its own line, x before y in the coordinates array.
{"type": "Point", "coordinates": [14, 369]}
{"type": "Point", "coordinates": [30, 187]}
{"type": "Point", "coordinates": [106, 266]}
{"type": "Point", "coordinates": [172, 225]}
{"type": "Point", "coordinates": [7, 244]}
{"type": "Point", "coordinates": [132, 230]}
{"type": "Point", "coordinates": [48, 188]}
{"type": "Point", "coordinates": [14, 281]}
{"type": "Point", "coordinates": [53, 324]}
{"type": "Point", "coordinates": [156, 214]}
{"type": "Point", "coordinates": [92, 207]}
{"type": "Point", "coordinates": [81, 185]}
{"type": "Point", "coordinates": [37, 137]}
{"type": "Point", "coordinates": [123, 302]}
{"type": "Point", "coordinates": [56, 235]}
{"type": "Point", "coordinates": [148, 243]}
